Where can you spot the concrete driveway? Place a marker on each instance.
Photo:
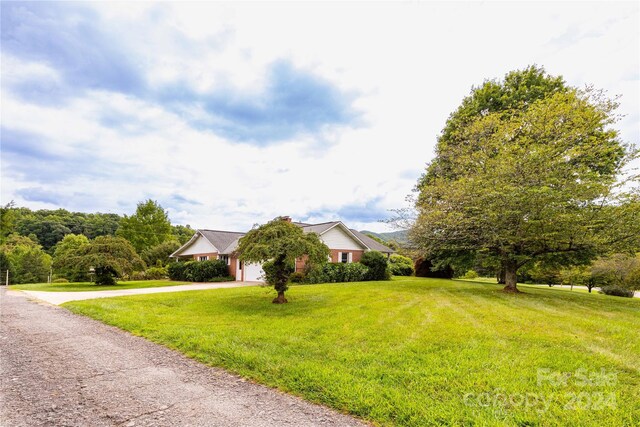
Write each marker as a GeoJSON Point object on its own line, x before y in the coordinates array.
{"type": "Point", "coordinates": [58, 298]}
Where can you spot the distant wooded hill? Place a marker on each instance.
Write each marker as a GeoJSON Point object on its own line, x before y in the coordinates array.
{"type": "Point", "coordinates": [399, 236]}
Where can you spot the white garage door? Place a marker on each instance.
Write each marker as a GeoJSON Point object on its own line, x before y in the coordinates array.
{"type": "Point", "coordinates": [253, 273]}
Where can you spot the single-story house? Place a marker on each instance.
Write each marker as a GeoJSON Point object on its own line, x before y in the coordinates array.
{"type": "Point", "coordinates": [346, 245]}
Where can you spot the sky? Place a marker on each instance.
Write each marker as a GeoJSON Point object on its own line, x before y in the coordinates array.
{"type": "Point", "coordinates": [230, 114]}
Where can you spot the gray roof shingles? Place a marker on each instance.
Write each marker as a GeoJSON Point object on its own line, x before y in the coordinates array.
{"type": "Point", "coordinates": [372, 244]}
{"type": "Point", "coordinates": [222, 240]}
{"type": "Point", "coordinates": [227, 241]}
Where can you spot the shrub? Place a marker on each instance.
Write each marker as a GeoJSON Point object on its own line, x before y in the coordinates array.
{"type": "Point", "coordinates": [197, 271]}
{"type": "Point", "coordinates": [471, 274]}
{"type": "Point", "coordinates": [297, 277]}
{"type": "Point", "coordinates": [355, 272]}
{"type": "Point", "coordinates": [377, 264]}
{"type": "Point", "coordinates": [617, 291]}
{"type": "Point", "coordinates": [137, 275]}
{"type": "Point", "coordinates": [401, 265]}
{"type": "Point", "coordinates": [178, 270]}
{"type": "Point", "coordinates": [338, 272]}
{"type": "Point", "coordinates": [202, 271]}
{"type": "Point", "coordinates": [60, 280]}
{"type": "Point", "coordinates": [156, 273]}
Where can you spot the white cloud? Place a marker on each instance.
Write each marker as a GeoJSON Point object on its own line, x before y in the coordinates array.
{"type": "Point", "coordinates": [410, 63]}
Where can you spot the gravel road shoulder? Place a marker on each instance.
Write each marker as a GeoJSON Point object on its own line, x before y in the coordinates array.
{"type": "Point", "coordinates": [57, 368]}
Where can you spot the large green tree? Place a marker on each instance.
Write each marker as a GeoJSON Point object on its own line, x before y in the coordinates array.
{"type": "Point", "coordinates": [107, 257]}
{"type": "Point", "coordinates": [159, 254]}
{"type": "Point", "coordinates": [28, 262]}
{"type": "Point", "coordinates": [277, 244]}
{"type": "Point", "coordinates": [7, 220]}
{"type": "Point", "coordinates": [67, 248]}
{"type": "Point", "coordinates": [528, 177]}
{"type": "Point", "coordinates": [147, 228]}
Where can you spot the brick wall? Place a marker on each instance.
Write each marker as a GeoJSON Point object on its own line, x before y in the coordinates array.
{"type": "Point", "coordinates": [355, 257]}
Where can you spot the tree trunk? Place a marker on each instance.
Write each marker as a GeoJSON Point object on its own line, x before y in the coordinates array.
{"type": "Point", "coordinates": [280, 299]}
{"type": "Point", "coordinates": [510, 276]}
{"type": "Point", "coordinates": [501, 279]}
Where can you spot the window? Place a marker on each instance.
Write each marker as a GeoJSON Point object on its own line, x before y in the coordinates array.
{"type": "Point", "coordinates": [239, 265]}
{"type": "Point", "coordinates": [203, 258]}
{"type": "Point", "coordinates": [344, 257]}
{"type": "Point", "coordinates": [225, 258]}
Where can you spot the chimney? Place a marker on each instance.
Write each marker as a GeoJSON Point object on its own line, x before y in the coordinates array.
{"type": "Point", "coordinates": [286, 218]}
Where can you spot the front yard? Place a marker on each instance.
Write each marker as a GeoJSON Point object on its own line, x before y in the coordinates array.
{"type": "Point", "coordinates": [412, 351]}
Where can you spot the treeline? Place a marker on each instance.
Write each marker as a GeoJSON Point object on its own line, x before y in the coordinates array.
{"type": "Point", "coordinates": [35, 244]}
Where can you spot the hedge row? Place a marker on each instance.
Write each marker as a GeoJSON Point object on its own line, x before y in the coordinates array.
{"type": "Point", "coordinates": [372, 266]}
{"type": "Point", "coordinates": [198, 271]}
{"type": "Point", "coordinates": [338, 272]}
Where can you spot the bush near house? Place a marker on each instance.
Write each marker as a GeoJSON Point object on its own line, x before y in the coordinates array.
{"type": "Point", "coordinates": [401, 265]}
{"type": "Point", "coordinates": [156, 273]}
{"type": "Point", "coordinates": [152, 273]}
{"type": "Point", "coordinates": [337, 273]}
{"type": "Point", "coordinates": [177, 270]}
{"type": "Point", "coordinates": [372, 266]}
{"type": "Point", "coordinates": [198, 271]}
{"type": "Point", "coordinates": [377, 264]}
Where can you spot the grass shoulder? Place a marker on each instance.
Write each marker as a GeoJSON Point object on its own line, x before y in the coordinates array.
{"type": "Point", "coordinates": [90, 286]}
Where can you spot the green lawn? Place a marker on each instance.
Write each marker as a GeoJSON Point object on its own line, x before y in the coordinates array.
{"type": "Point", "coordinates": [90, 286]}
{"type": "Point", "coordinates": [412, 351]}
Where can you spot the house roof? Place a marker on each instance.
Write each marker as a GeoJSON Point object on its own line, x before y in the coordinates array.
{"type": "Point", "coordinates": [319, 228]}
{"type": "Point", "coordinates": [222, 240]}
{"type": "Point", "coordinates": [227, 241]}
{"type": "Point", "coordinates": [367, 241]}
{"type": "Point", "coordinates": [372, 244]}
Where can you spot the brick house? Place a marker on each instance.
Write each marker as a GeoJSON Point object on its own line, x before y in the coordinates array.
{"type": "Point", "coordinates": [346, 245]}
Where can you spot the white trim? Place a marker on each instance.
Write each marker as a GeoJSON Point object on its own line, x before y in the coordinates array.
{"type": "Point", "coordinates": [239, 271]}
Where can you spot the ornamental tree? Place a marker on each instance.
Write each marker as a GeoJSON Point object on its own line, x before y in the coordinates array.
{"type": "Point", "coordinates": [277, 244]}
{"type": "Point", "coordinates": [109, 257]}
{"type": "Point", "coordinates": [532, 179]}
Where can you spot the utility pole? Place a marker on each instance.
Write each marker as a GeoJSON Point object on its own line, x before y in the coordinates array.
{"type": "Point", "coordinates": [7, 280]}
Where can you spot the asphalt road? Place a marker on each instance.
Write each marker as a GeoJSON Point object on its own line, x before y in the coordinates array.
{"type": "Point", "coordinates": [60, 369]}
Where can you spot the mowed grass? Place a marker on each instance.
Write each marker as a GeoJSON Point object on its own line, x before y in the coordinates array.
{"type": "Point", "coordinates": [90, 286]}
{"type": "Point", "coordinates": [412, 351]}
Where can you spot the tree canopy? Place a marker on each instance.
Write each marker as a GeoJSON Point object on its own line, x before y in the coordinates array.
{"type": "Point", "coordinates": [25, 260]}
{"type": "Point", "coordinates": [526, 169]}
{"type": "Point", "coordinates": [68, 247]}
{"type": "Point", "coordinates": [147, 228]}
{"type": "Point", "coordinates": [109, 257]}
{"type": "Point", "coordinates": [277, 244]}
